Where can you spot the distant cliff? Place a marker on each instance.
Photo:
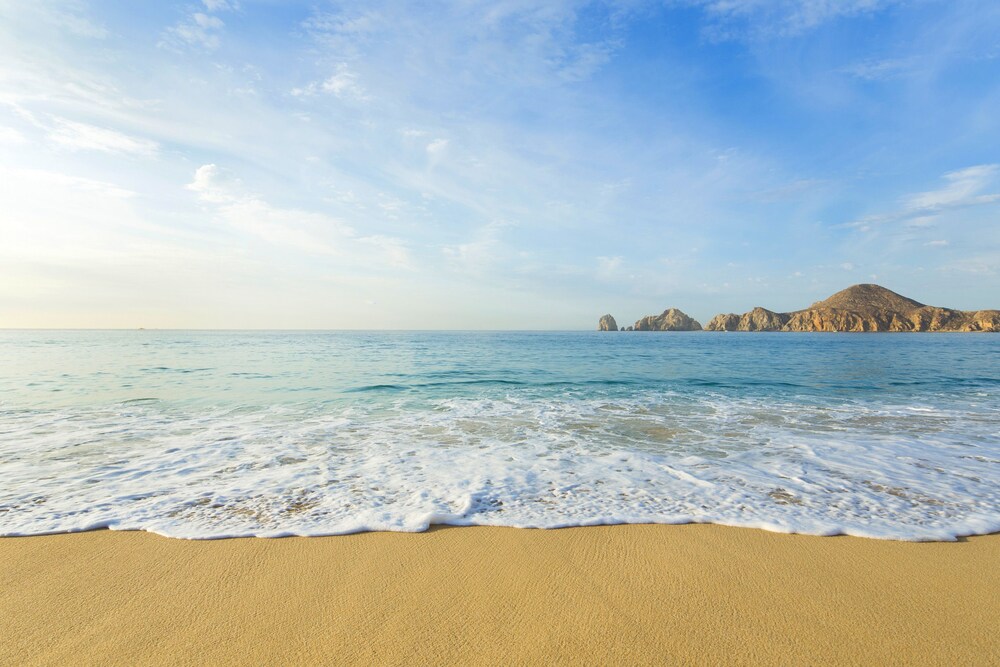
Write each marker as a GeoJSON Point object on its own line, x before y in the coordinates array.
{"type": "Point", "coordinates": [671, 319]}
{"type": "Point", "coordinates": [861, 308]}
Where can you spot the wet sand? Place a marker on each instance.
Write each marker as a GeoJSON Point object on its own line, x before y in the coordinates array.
{"type": "Point", "coordinates": [693, 594]}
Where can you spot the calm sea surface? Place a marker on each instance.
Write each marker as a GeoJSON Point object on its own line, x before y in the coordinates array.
{"type": "Point", "coordinates": [213, 434]}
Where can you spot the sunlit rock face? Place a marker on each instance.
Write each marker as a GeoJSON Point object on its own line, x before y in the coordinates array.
{"type": "Point", "coordinates": [607, 323]}
{"type": "Point", "coordinates": [671, 319]}
{"type": "Point", "coordinates": [861, 308]}
{"type": "Point", "coordinates": [723, 322]}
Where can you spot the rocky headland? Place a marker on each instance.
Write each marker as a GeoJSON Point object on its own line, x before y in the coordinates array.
{"type": "Point", "coordinates": [671, 319]}
{"type": "Point", "coordinates": [861, 308]}
{"type": "Point", "coordinates": [857, 308]}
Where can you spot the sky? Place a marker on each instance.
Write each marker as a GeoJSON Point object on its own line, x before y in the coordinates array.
{"type": "Point", "coordinates": [490, 165]}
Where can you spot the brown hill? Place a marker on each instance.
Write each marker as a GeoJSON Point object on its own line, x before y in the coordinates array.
{"type": "Point", "coordinates": [861, 308]}
{"type": "Point", "coordinates": [868, 298]}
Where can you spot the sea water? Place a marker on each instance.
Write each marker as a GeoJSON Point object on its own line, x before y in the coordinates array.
{"type": "Point", "coordinates": [216, 434]}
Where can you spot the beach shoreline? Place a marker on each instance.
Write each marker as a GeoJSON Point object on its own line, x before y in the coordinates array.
{"type": "Point", "coordinates": [632, 594]}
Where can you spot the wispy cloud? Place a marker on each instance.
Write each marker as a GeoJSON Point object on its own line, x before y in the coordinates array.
{"type": "Point", "coordinates": [757, 19]}
{"type": "Point", "coordinates": [220, 5]}
{"type": "Point", "coordinates": [530, 43]}
{"type": "Point", "coordinates": [881, 69]}
{"type": "Point", "coordinates": [304, 231]}
{"type": "Point", "coordinates": [67, 16]}
{"type": "Point", "coordinates": [216, 185]}
{"type": "Point", "coordinates": [199, 29]}
{"type": "Point", "coordinates": [11, 137]}
{"type": "Point", "coordinates": [962, 189]}
{"type": "Point", "coordinates": [343, 83]}
{"type": "Point", "coordinates": [608, 267]}
{"type": "Point", "coordinates": [81, 136]}
{"type": "Point", "coordinates": [482, 252]}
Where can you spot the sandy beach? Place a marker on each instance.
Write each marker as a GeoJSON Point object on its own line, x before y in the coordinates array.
{"type": "Point", "coordinates": [694, 594]}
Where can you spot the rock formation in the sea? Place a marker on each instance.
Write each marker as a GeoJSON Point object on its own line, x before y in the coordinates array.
{"type": "Point", "coordinates": [723, 322]}
{"type": "Point", "coordinates": [861, 308]}
{"type": "Point", "coordinates": [758, 319]}
{"type": "Point", "coordinates": [607, 323]}
{"type": "Point", "coordinates": [669, 320]}
{"type": "Point", "coordinates": [762, 319]}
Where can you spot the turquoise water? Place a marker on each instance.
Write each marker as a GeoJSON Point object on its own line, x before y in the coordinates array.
{"type": "Point", "coordinates": [212, 434]}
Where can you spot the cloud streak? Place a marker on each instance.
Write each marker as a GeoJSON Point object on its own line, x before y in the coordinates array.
{"type": "Point", "coordinates": [964, 188]}
{"type": "Point", "coordinates": [308, 232]}
{"type": "Point", "coordinates": [81, 136]}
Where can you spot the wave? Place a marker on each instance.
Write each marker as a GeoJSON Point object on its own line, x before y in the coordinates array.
{"type": "Point", "coordinates": [875, 469]}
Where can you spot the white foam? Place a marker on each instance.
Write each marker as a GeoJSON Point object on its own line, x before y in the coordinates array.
{"type": "Point", "coordinates": [911, 472]}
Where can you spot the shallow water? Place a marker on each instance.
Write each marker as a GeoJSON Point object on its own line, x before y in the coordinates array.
{"type": "Point", "coordinates": [213, 434]}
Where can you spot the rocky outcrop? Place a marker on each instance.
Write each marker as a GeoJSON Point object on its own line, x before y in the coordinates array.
{"type": "Point", "coordinates": [758, 319]}
{"type": "Point", "coordinates": [723, 322]}
{"type": "Point", "coordinates": [762, 319]}
{"type": "Point", "coordinates": [669, 320]}
{"type": "Point", "coordinates": [607, 323]}
{"type": "Point", "coordinates": [861, 308]}
{"type": "Point", "coordinates": [983, 320]}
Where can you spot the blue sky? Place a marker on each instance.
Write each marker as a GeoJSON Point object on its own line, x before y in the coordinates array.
{"type": "Point", "coordinates": [511, 164]}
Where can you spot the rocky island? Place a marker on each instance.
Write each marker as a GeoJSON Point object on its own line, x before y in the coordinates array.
{"type": "Point", "coordinates": [671, 319]}
{"type": "Point", "coordinates": [857, 308]}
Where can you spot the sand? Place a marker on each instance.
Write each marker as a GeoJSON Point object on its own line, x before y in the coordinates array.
{"type": "Point", "coordinates": [599, 595]}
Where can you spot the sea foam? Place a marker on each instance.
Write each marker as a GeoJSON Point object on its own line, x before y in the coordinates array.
{"type": "Point", "coordinates": [528, 451]}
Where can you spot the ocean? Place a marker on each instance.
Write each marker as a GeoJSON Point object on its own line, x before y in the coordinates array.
{"type": "Point", "coordinates": [210, 434]}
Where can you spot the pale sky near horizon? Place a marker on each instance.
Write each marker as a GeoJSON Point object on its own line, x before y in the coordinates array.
{"type": "Point", "coordinates": [490, 165]}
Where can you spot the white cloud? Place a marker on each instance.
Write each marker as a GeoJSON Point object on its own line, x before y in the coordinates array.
{"type": "Point", "coordinates": [436, 150]}
{"type": "Point", "coordinates": [220, 5]}
{"type": "Point", "coordinates": [391, 206]}
{"type": "Point", "coordinates": [437, 146]}
{"type": "Point", "coordinates": [881, 69]}
{"type": "Point", "coordinates": [941, 243]}
{"type": "Point", "coordinates": [65, 16]}
{"type": "Point", "coordinates": [482, 252]}
{"type": "Point", "coordinates": [54, 217]}
{"type": "Point", "coordinates": [11, 137]}
{"type": "Point", "coordinates": [81, 136]}
{"type": "Point", "coordinates": [607, 267]}
{"type": "Point", "coordinates": [962, 189]}
{"type": "Point", "coordinates": [529, 43]}
{"type": "Point", "coordinates": [198, 30]}
{"type": "Point", "coordinates": [80, 25]}
{"type": "Point", "coordinates": [847, 266]}
{"type": "Point", "coordinates": [393, 250]}
{"type": "Point", "coordinates": [757, 19]}
{"type": "Point", "coordinates": [342, 84]}
{"type": "Point", "coordinates": [304, 231]}
{"type": "Point", "coordinates": [58, 181]}
{"type": "Point", "coordinates": [215, 185]}
{"type": "Point", "coordinates": [609, 263]}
